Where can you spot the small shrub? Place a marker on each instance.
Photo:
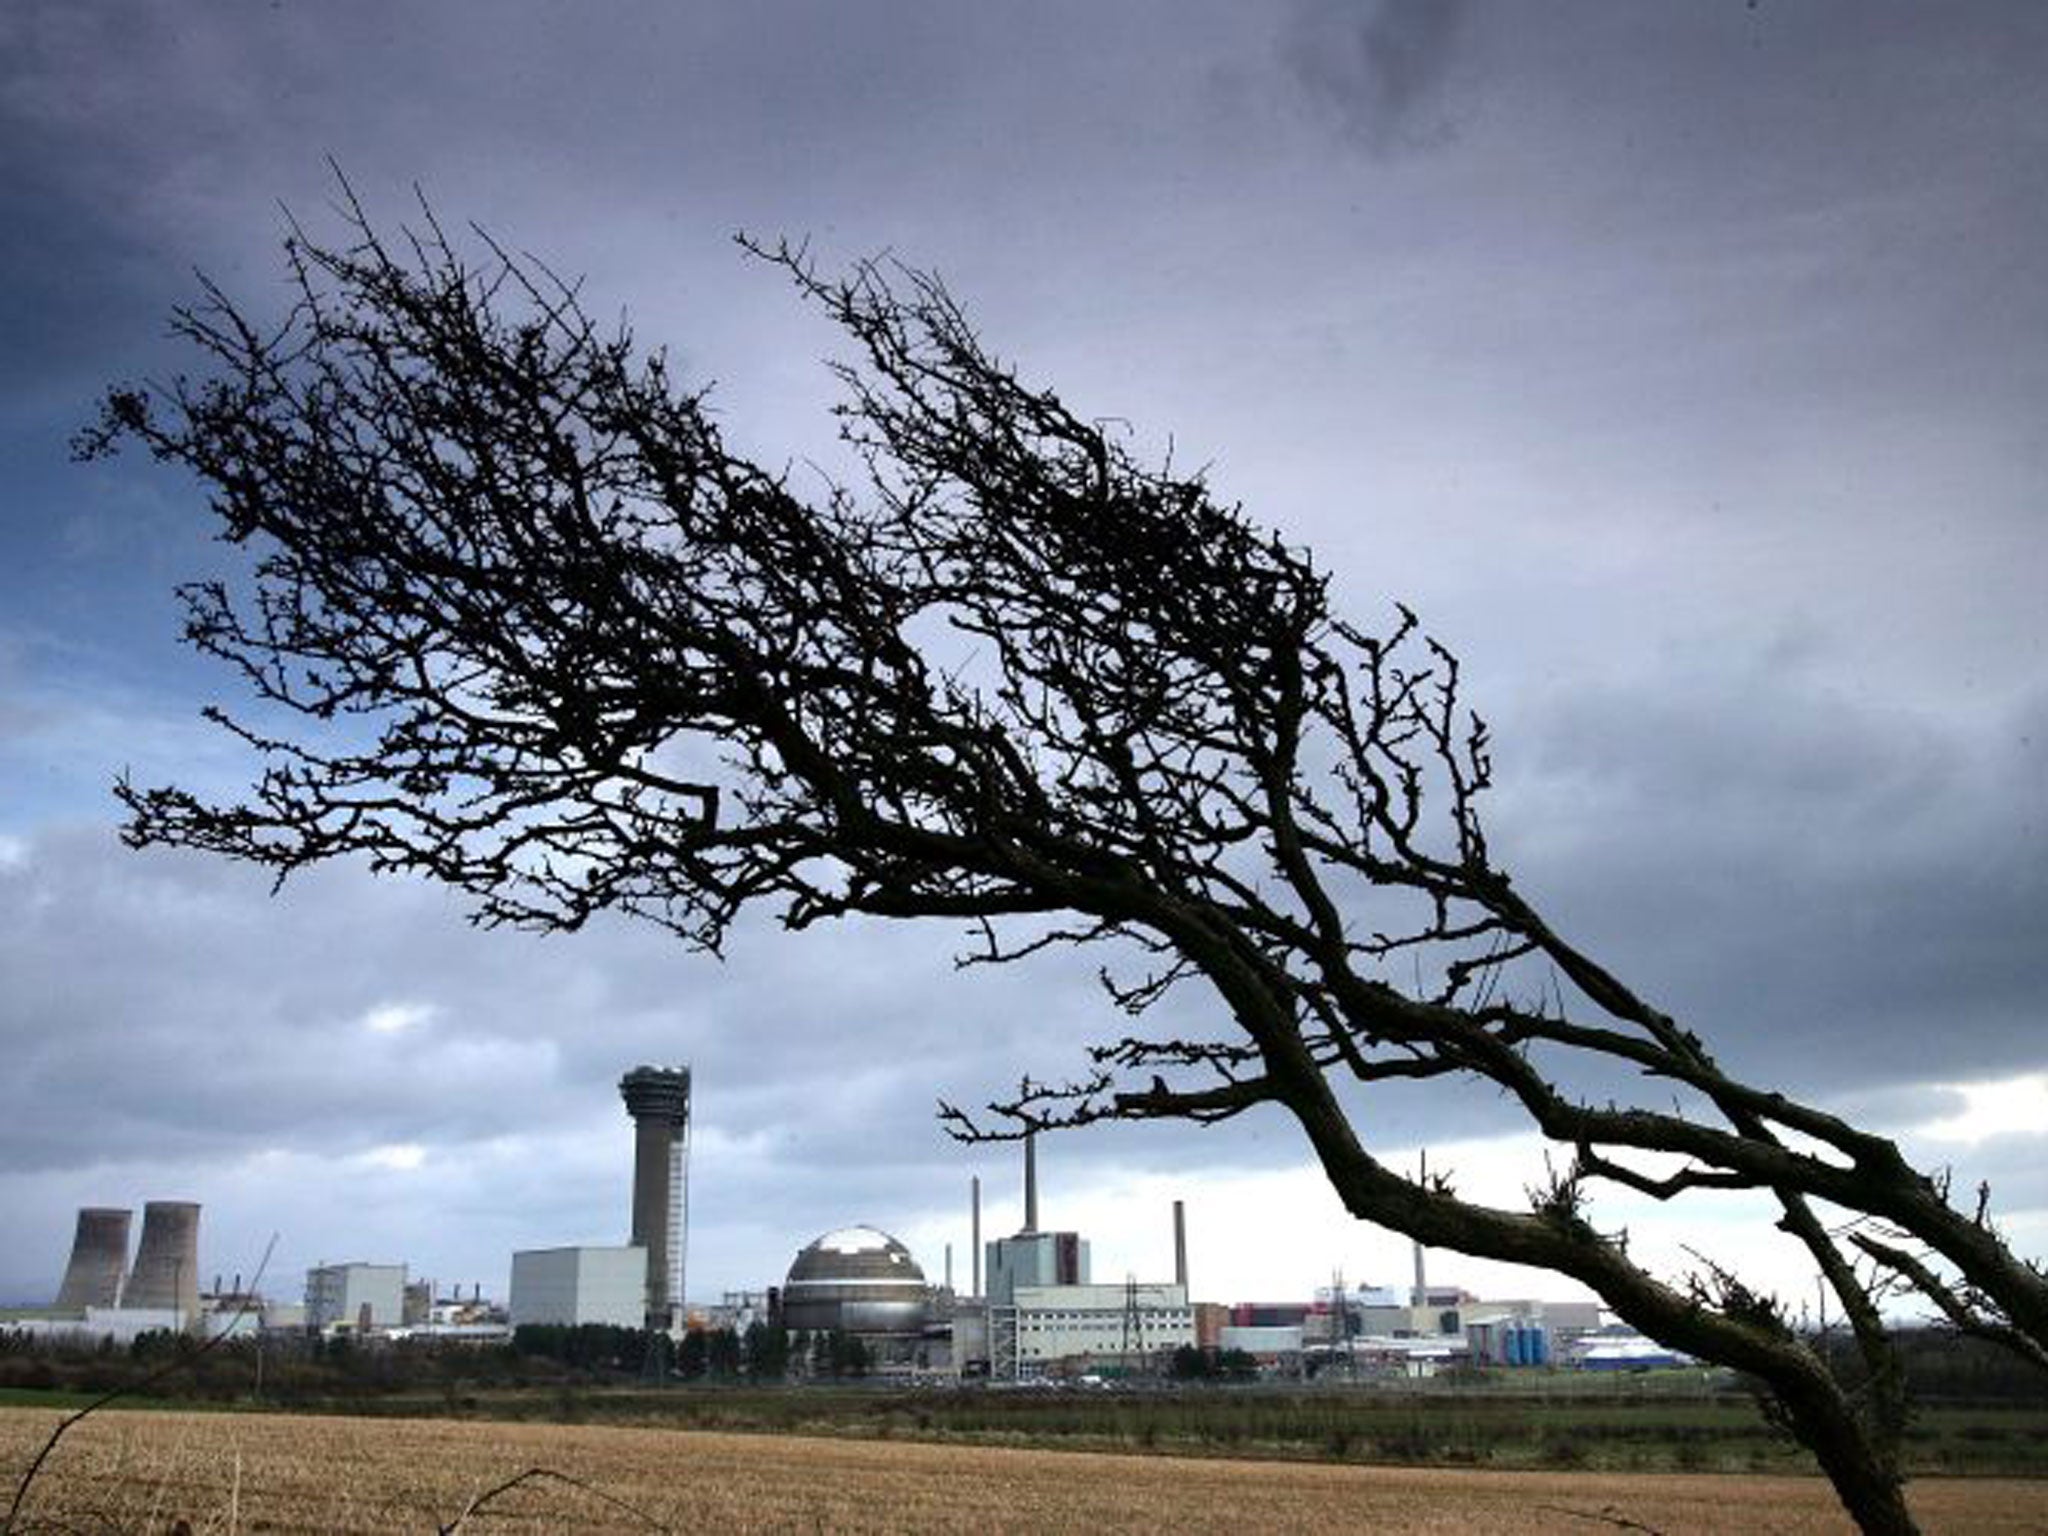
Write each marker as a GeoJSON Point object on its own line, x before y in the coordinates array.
{"type": "Point", "coordinates": [1560, 1452]}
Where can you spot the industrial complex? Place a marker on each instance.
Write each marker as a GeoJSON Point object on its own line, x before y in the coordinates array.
{"type": "Point", "coordinates": [1032, 1308]}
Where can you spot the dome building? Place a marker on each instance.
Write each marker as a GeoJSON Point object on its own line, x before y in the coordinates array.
{"type": "Point", "coordinates": [856, 1280]}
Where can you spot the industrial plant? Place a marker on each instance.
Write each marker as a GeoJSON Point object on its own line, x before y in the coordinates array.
{"type": "Point", "coordinates": [863, 1282]}
{"type": "Point", "coordinates": [106, 1293]}
{"type": "Point", "coordinates": [638, 1284]}
{"type": "Point", "coordinates": [1032, 1308]}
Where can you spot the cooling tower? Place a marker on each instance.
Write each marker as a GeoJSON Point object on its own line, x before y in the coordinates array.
{"type": "Point", "coordinates": [166, 1272]}
{"type": "Point", "coordinates": [99, 1254]}
{"type": "Point", "coordinates": [658, 1099]}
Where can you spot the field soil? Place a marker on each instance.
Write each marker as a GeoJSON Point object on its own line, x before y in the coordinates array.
{"type": "Point", "coordinates": [231, 1472]}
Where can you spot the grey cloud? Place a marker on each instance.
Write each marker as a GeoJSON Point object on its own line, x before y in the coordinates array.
{"type": "Point", "coordinates": [1377, 66]}
{"type": "Point", "coordinates": [1703, 324]}
{"type": "Point", "coordinates": [1822, 886]}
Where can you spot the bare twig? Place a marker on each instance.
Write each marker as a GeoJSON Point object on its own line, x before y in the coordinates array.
{"type": "Point", "coordinates": [1608, 1515]}
{"type": "Point", "coordinates": [538, 1474]}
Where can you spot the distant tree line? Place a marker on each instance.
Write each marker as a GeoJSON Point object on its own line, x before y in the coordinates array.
{"type": "Point", "coordinates": [296, 1367]}
{"type": "Point", "coordinates": [291, 1368]}
{"type": "Point", "coordinates": [1192, 1364]}
{"type": "Point", "coordinates": [762, 1353]}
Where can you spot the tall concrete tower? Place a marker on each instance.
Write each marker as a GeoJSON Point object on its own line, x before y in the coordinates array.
{"type": "Point", "coordinates": [1031, 1181]}
{"type": "Point", "coordinates": [975, 1201]}
{"type": "Point", "coordinates": [1420, 1296]}
{"type": "Point", "coordinates": [99, 1255]}
{"type": "Point", "coordinates": [1180, 1245]}
{"type": "Point", "coordinates": [166, 1272]}
{"type": "Point", "coordinates": [658, 1099]}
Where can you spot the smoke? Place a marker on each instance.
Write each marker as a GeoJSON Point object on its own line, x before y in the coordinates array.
{"type": "Point", "coordinates": [1376, 66]}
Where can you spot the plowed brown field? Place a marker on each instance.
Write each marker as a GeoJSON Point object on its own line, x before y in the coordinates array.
{"type": "Point", "coordinates": [135, 1472]}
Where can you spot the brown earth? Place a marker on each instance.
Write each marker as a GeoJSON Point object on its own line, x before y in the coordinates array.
{"type": "Point", "coordinates": [222, 1473]}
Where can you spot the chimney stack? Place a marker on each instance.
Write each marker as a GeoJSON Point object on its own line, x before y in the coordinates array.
{"type": "Point", "coordinates": [977, 1237]}
{"type": "Point", "coordinates": [1031, 1181]}
{"type": "Point", "coordinates": [1421, 1298]}
{"type": "Point", "coordinates": [1180, 1245]}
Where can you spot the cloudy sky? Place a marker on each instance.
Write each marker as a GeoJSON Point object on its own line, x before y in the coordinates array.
{"type": "Point", "coordinates": [1686, 366]}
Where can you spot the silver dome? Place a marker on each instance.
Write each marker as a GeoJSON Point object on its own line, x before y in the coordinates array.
{"type": "Point", "coordinates": [858, 1280]}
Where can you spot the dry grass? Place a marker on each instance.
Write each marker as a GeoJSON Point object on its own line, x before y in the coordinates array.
{"type": "Point", "coordinates": [233, 1473]}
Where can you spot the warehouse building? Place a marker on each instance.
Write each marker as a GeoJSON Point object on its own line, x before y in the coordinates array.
{"type": "Point", "coordinates": [573, 1286]}
{"type": "Point", "coordinates": [1132, 1324]}
{"type": "Point", "coordinates": [355, 1296]}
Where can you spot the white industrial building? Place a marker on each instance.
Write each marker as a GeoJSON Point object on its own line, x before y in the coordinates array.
{"type": "Point", "coordinates": [120, 1324]}
{"type": "Point", "coordinates": [1269, 1344]}
{"type": "Point", "coordinates": [1035, 1258]}
{"type": "Point", "coordinates": [355, 1296]}
{"type": "Point", "coordinates": [1099, 1323]}
{"type": "Point", "coordinates": [573, 1286]}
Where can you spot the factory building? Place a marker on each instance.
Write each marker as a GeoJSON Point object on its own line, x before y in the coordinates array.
{"type": "Point", "coordinates": [639, 1283]}
{"type": "Point", "coordinates": [1031, 1257]}
{"type": "Point", "coordinates": [1130, 1323]}
{"type": "Point", "coordinates": [1035, 1259]}
{"type": "Point", "coordinates": [121, 1325]}
{"type": "Point", "coordinates": [573, 1286]}
{"type": "Point", "coordinates": [355, 1296]}
{"type": "Point", "coordinates": [1042, 1309]}
{"type": "Point", "coordinates": [1271, 1344]}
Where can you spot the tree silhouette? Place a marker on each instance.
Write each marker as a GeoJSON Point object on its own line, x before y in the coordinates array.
{"type": "Point", "coordinates": [518, 619]}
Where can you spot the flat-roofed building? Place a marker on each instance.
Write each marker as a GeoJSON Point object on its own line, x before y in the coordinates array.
{"type": "Point", "coordinates": [1099, 1323]}
{"type": "Point", "coordinates": [573, 1286]}
{"type": "Point", "coordinates": [355, 1295]}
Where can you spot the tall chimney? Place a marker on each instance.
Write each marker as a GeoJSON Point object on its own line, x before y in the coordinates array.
{"type": "Point", "coordinates": [166, 1272]}
{"type": "Point", "coordinates": [658, 1099]}
{"type": "Point", "coordinates": [1031, 1181]}
{"type": "Point", "coordinates": [99, 1253]}
{"type": "Point", "coordinates": [949, 1269]}
{"type": "Point", "coordinates": [1180, 1245]}
{"type": "Point", "coordinates": [1421, 1297]}
{"type": "Point", "coordinates": [977, 1237]}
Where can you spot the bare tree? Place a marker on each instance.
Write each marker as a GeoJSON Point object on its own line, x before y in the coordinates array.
{"type": "Point", "coordinates": [519, 620]}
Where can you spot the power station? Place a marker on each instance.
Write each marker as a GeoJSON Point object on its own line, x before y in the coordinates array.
{"type": "Point", "coordinates": [1042, 1314]}
{"type": "Point", "coordinates": [160, 1289]}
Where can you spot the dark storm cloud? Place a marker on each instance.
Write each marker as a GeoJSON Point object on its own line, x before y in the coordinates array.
{"type": "Point", "coordinates": [79, 287]}
{"type": "Point", "coordinates": [1376, 66]}
{"type": "Point", "coordinates": [1822, 885]}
